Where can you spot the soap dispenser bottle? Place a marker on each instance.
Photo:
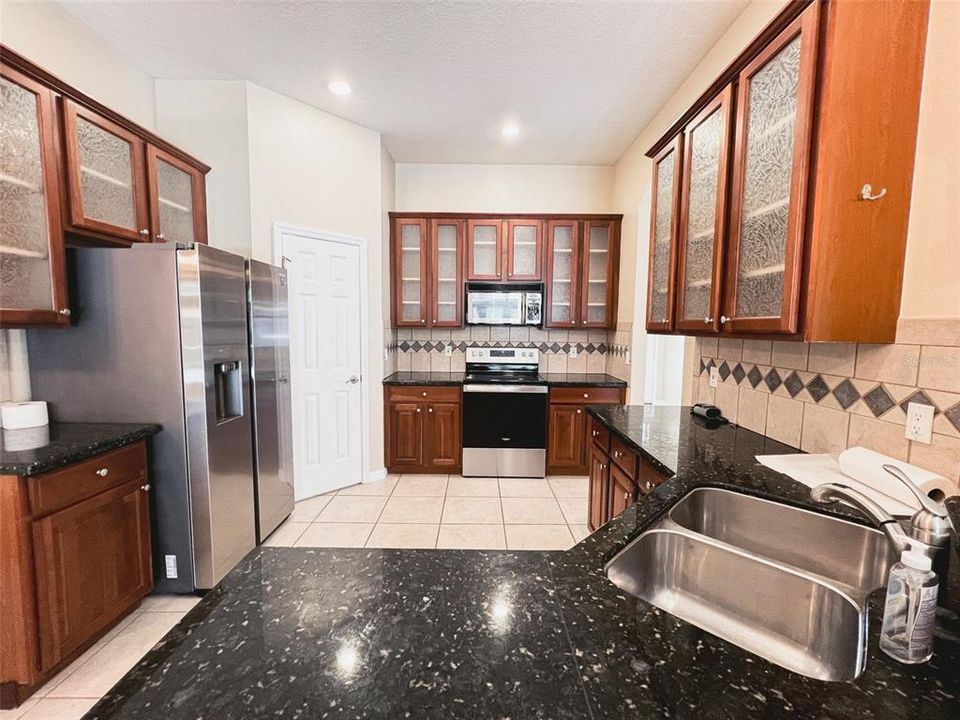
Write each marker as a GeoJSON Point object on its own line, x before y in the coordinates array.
{"type": "Point", "coordinates": [910, 609]}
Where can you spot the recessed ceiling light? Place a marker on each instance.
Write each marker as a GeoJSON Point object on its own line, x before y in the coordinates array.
{"type": "Point", "coordinates": [339, 87]}
{"type": "Point", "coordinates": [510, 130]}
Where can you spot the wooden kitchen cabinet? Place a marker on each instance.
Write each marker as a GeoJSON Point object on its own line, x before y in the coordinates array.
{"type": "Point", "coordinates": [33, 288]}
{"type": "Point", "coordinates": [664, 222]}
{"type": "Point", "coordinates": [177, 198]}
{"type": "Point", "coordinates": [562, 298]}
{"type": "Point", "coordinates": [411, 280]}
{"type": "Point", "coordinates": [623, 491]}
{"type": "Point", "coordinates": [599, 492]}
{"type": "Point", "coordinates": [567, 421]}
{"type": "Point", "coordinates": [423, 428]}
{"type": "Point", "coordinates": [812, 243]}
{"type": "Point", "coordinates": [75, 548]}
{"type": "Point", "coordinates": [485, 249]}
{"type": "Point", "coordinates": [524, 247]}
{"type": "Point", "coordinates": [446, 273]}
{"type": "Point", "coordinates": [599, 272]}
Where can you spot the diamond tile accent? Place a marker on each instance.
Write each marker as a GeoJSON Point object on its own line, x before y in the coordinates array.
{"type": "Point", "coordinates": [602, 349]}
{"type": "Point", "coordinates": [417, 347]}
{"type": "Point", "coordinates": [543, 347]}
{"type": "Point", "coordinates": [590, 348]}
{"type": "Point", "coordinates": [953, 415]}
{"type": "Point", "coordinates": [793, 383]}
{"type": "Point", "coordinates": [724, 371]}
{"type": "Point", "coordinates": [846, 394]}
{"type": "Point", "coordinates": [462, 346]}
{"type": "Point", "coordinates": [919, 397]}
{"type": "Point", "coordinates": [565, 347]}
{"type": "Point", "coordinates": [702, 366]}
{"type": "Point", "coordinates": [404, 346]}
{"type": "Point", "coordinates": [739, 373]}
{"type": "Point", "coordinates": [878, 400]}
{"type": "Point", "coordinates": [555, 347]}
{"type": "Point", "coordinates": [817, 388]}
{"type": "Point", "coordinates": [754, 376]}
{"type": "Point", "coordinates": [773, 380]}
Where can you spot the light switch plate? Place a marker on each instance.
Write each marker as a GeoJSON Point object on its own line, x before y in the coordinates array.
{"type": "Point", "coordinates": [573, 352]}
{"type": "Point", "coordinates": [448, 350]}
{"type": "Point", "coordinates": [919, 423]}
{"type": "Point", "coordinates": [714, 376]}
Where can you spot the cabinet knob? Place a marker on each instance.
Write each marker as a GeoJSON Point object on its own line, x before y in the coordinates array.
{"type": "Point", "coordinates": [160, 236]}
{"type": "Point", "coordinates": [145, 488]}
{"type": "Point", "coordinates": [866, 193]}
{"type": "Point", "coordinates": [723, 319]}
{"type": "Point", "coordinates": [594, 433]}
{"type": "Point", "coordinates": [586, 395]}
{"type": "Point", "coordinates": [418, 408]}
{"type": "Point", "coordinates": [145, 232]}
{"type": "Point", "coordinates": [65, 312]}
{"type": "Point", "coordinates": [102, 472]}
{"type": "Point", "coordinates": [423, 321]}
{"type": "Point", "coordinates": [430, 409]}
{"type": "Point", "coordinates": [583, 322]}
{"type": "Point", "coordinates": [579, 411]}
{"type": "Point", "coordinates": [626, 496]}
{"type": "Point", "coordinates": [708, 320]}
{"type": "Point", "coordinates": [573, 322]}
{"type": "Point", "coordinates": [424, 393]}
{"type": "Point", "coordinates": [617, 453]}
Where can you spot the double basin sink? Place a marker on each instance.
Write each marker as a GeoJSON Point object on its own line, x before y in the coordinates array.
{"type": "Point", "coordinates": [787, 584]}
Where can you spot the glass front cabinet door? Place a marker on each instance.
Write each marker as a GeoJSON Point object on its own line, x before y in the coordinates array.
{"type": "Point", "coordinates": [664, 223]}
{"type": "Point", "coordinates": [524, 242]}
{"type": "Point", "coordinates": [484, 249]}
{"type": "Point", "coordinates": [177, 201]}
{"type": "Point", "coordinates": [563, 280]}
{"type": "Point", "coordinates": [105, 176]}
{"type": "Point", "coordinates": [410, 272]}
{"type": "Point", "coordinates": [33, 283]}
{"type": "Point", "coordinates": [599, 260]}
{"type": "Point", "coordinates": [447, 286]}
{"type": "Point", "coordinates": [768, 205]}
{"type": "Point", "coordinates": [702, 216]}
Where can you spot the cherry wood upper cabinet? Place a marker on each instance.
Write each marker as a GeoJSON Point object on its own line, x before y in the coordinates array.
{"type": "Point", "coordinates": [524, 242]}
{"type": "Point", "coordinates": [664, 223]}
{"type": "Point", "coordinates": [770, 171]}
{"type": "Point", "coordinates": [598, 266]}
{"type": "Point", "coordinates": [33, 280]}
{"type": "Point", "coordinates": [105, 176]}
{"type": "Point", "coordinates": [446, 238]}
{"type": "Point", "coordinates": [703, 203]}
{"type": "Point", "coordinates": [177, 198]}
{"type": "Point", "coordinates": [563, 274]}
{"type": "Point", "coordinates": [484, 249]}
{"type": "Point", "coordinates": [410, 268]}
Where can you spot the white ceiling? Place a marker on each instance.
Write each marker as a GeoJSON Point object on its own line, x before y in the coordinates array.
{"type": "Point", "coordinates": [439, 79]}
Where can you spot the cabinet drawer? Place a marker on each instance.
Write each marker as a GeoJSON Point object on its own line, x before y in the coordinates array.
{"type": "Point", "coordinates": [74, 483]}
{"type": "Point", "coordinates": [426, 393]}
{"type": "Point", "coordinates": [599, 434]}
{"type": "Point", "coordinates": [624, 457]}
{"type": "Point", "coordinates": [587, 395]}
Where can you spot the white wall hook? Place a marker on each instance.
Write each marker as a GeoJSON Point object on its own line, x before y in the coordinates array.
{"type": "Point", "coordinates": [866, 193]}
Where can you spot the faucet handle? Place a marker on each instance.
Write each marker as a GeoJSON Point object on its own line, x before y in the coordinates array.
{"type": "Point", "coordinates": [926, 502]}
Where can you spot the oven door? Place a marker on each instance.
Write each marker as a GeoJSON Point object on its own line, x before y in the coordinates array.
{"type": "Point", "coordinates": [495, 308]}
{"type": "Point", "coordinates": [504, 430]}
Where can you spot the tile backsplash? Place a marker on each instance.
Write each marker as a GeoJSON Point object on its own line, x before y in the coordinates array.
{"type": "Point", "coordinates": [824, 397]}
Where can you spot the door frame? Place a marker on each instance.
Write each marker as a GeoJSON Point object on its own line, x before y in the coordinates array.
{"type": "Point", "coordinates": [281, 228]}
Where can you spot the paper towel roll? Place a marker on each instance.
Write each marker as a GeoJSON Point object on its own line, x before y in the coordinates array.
{"type": "Point", "coordinates": [26, 438]}
{"type": "Point", "coordinates": [19, 415]}
{"type": "Point", "coordinates": [867, 467]}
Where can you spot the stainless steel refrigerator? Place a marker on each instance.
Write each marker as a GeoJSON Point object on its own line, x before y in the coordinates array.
{"type": "Point", "coordinates": [267, 320]}
{"type": "Point", "coordinates": [160, 335]}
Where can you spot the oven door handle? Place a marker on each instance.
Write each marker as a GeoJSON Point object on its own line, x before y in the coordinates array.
{"type": "Point", "coordinates": [527, 389]}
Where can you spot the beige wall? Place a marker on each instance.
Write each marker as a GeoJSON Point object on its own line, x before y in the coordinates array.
{"type": "Point", "coordinates": [504, 188]}
{"type": "Point", "coordinates": [49, 36]}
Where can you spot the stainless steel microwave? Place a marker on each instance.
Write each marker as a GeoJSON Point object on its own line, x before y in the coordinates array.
{"type": "Point", "coordinates": [504, 304]}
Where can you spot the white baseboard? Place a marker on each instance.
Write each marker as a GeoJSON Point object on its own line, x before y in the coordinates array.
{"type": "Point", "coordinates": [376, 475]}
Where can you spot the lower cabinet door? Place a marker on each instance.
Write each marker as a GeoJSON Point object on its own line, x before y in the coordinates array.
{"type": "Point", "coordinates": [566, 439]}
{"type": "Point", "coordinates": [442, 435]}
{"type": "Point", "coordinates": [623, 493]}
{"type": "Point", "coordinates": [92, 563]}
{"type": "Point", "coordinates": [599, 486]}
{"type": "Point", "coordinates": [405, 428]}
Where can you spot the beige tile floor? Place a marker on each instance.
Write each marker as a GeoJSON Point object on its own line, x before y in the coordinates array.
{"type": "Point", "coordinates": [443, 511]}
{"type": "Point", "coordinates": [76, 689]}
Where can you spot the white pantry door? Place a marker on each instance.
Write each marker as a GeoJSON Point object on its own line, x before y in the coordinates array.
{"type": "Point", "coordinates": [324, 297]}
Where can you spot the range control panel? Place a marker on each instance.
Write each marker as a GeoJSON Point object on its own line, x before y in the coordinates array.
{"type": "Point", "coordinates": [527, 356]}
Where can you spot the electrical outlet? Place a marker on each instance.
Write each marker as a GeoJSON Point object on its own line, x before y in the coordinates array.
{"type": "Point", "coordinates": [171, 566]}
{"type": "Point", "coordinates": [573, 352]}
{"type": "Point", "coordinates": [628, 358]}
{"type": "Point", "coordinates": [919, 423]}
{"type": "Point", "coordinates": [714, 376]}
{"type": "Point", "coordinates": [448, 350]}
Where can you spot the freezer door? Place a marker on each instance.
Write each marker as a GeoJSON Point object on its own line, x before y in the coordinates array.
{"type": "Point", "coordinates": [270, 394]}
{"type": "Point", "coordinates": [213, 326]}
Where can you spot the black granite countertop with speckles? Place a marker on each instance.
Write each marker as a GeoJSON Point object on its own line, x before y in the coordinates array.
{"type": "Point", "coordinates": [552, 379]}
{"type": "Point", "coordinates": [330, 633]}
{"type": "Point", "coordinates": [68, 443]}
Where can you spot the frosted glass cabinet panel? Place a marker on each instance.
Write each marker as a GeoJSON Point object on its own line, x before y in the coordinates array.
{"type": "Point", "coordinates": [447, 241]}
{"type": "Point", "coordinates": [598, 292]}
{"type": "Point", "coordinates": [32, 272]}
{"type": "Point", "coordinates": [563, 276]}
{"type": "Point", "coordinates": [702, 216]}
{"type": "Point", "coordinates": [105, 176]}
{"type": "Point", "coordinates": [663, 236]}
{"type": "Point", "coordinates": [177, 199]}
{"type": "Point", "coordinates": [524, 243]}
{"type": "Point", "coordinates": [772, 147]}
{"type": "Point", "coordinates": [484, 249]}
{"type": "Point", "coordinates": [410, 272]}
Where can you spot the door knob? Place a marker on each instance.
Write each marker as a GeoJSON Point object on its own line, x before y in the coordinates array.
{"type": "Point", "coordinates": [354, 379]}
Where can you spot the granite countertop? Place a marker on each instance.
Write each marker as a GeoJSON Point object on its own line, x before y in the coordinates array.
{"type": "Point", "coordinates": [364, 633]}
{"type": "Point", "coordinates": [67, 443]}
{"type": "Point", "coordinates": [457, 378]}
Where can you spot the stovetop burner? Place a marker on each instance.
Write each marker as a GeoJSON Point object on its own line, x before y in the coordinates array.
{"type": "Point", "coordinates": [524, 378]}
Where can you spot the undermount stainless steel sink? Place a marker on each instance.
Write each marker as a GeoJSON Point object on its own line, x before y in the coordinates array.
{"type": "Point", "coordinates": [787, 584]}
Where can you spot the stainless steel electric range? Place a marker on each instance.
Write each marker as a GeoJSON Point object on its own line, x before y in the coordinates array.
{"type": "Point", "coordinates": [504, 413]}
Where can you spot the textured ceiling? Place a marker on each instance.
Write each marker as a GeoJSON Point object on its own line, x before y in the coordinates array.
{"type": "Point", "coordinates": [439, 79]}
